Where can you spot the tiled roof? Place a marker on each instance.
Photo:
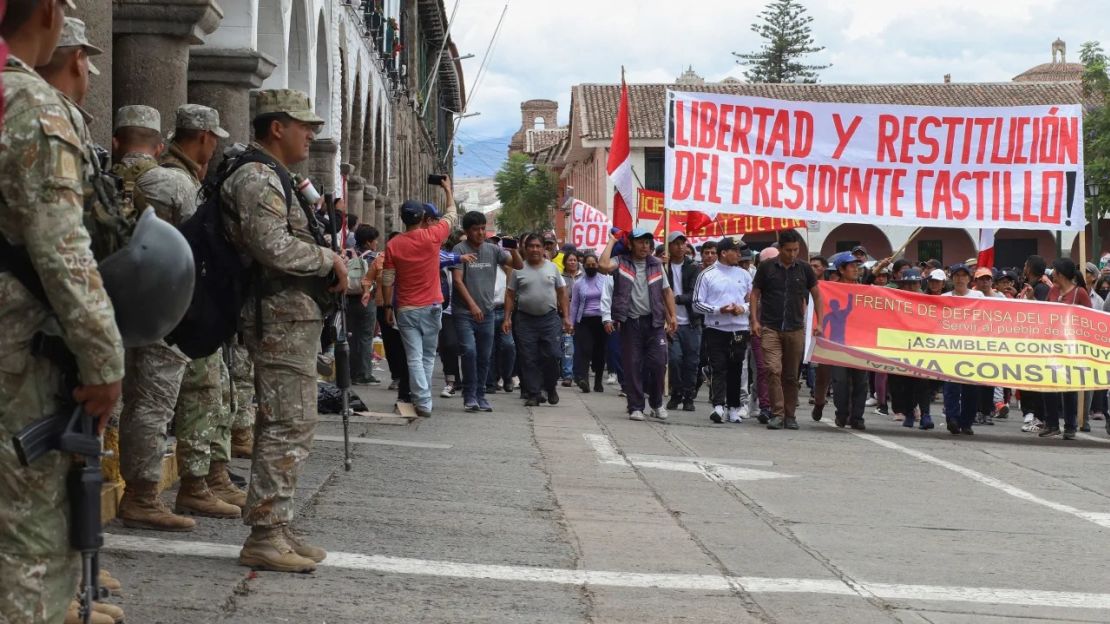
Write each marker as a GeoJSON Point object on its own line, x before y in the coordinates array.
{"type": "Point", "coordinates": [1051, 72]}
{"type": "Point", "coordinates": [594, 107]}
{"type": "Point", "coordinates": [536, 140]}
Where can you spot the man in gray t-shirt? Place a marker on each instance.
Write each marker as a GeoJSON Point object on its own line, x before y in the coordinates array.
{"type": "Point", "coordinates": [472, 306]}
{"type": "Point", "coordinates": [640, 304]}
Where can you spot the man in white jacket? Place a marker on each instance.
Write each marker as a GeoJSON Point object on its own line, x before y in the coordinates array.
{"type": "Point", "coordinates": [721, 294]}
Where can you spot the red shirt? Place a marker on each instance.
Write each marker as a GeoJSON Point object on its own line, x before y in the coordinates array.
{"type": "Point", "coordinates": [415, 258]}
{"type": "Point", "coordinates": [1077, 296]}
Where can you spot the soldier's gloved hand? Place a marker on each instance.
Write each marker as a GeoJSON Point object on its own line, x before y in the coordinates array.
{"type": "Point", "coordinates": [99, 401]}
{"type": "Point", "coordinates": [339, 267]}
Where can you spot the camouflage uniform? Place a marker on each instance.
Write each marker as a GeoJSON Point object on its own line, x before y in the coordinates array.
{"type": "Point", "coordinates": [284, 348]}
{"type": "Point", "coordinates": [154, 372]}
{"type": "Point", "coordinates": [242, 376]}
{"type": "Point", "coordinates": [44, 161]}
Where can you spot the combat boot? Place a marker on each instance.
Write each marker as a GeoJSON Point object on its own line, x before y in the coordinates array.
{"type": "Point", "coordinates": [109, 582]}
{"type": "Point", "coordinates": [194, 497]}
{"type": "Point", "coordinates": [242, 443]}
{"type": "Point", "coordinates": [219, 483]}
{"type": "Point", "coordinates": [304, 549]}
{"type": "Point", "coordinates": [268, 549]}
{"type": "Point", "coordinates": [141, 508]}
{"type": "Point", "coordinates": [100, 615]}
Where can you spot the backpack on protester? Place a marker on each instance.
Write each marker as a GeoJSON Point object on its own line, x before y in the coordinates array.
{"type": "Point", "coordinates": [132, 200]}
{"type": "Point", "coordinates": [357, 268]}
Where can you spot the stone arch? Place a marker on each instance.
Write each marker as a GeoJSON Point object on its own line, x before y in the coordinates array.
{"type": "Point", "coordinates": [956, 245]}
{"type": "Point", "coordinates": [871, 237]}
{"type": "Point", "coordinates": [344, 108]}
{"type": "Point", "coordinates": [237, 29]}
{"type": "Point", "coordinates": [381, 164]}
{"type": "Point", "coordinates": [358, 123]}
{"type": "Point", "coordinates": [270, 40]}
{"type": "Point", "coordinates": [322, 94]}
{"type": "Point", "coordinates": [297, 58]}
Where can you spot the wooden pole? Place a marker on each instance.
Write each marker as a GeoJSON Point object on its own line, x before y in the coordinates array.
{"type": "Point", "coordinates": [901, 249]}
{"type": "Point", "coordinates": [1081, 403]}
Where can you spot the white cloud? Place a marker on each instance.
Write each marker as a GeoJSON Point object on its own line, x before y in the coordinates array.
{"type": "Point", "coordinates": [545, 48]}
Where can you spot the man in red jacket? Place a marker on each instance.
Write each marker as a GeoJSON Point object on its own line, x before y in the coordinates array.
{"type": "Point", "coordinates": [412, 274]}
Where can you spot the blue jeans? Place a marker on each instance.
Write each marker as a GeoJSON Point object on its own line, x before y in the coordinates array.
{"type": "Point", "coordinates": [568, 357]}
{"type": "Point", "coordinates": [419, 330]}
{"type": "Point", "coordinates": [685, 352]}
{"type": "Point", "coordinates": [475, 346]}
{"type": "Point", "coordinates": [503, 356]}
{"type": "Point", "coordinates": [960, 401]}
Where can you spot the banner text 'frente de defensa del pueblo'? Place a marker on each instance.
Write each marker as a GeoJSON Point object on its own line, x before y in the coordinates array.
{"type": "Point", "coordinates": [990, 167]}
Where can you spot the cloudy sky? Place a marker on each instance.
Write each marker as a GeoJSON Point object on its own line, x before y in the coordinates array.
{"type": "Point", "coordinates": [546, 47]}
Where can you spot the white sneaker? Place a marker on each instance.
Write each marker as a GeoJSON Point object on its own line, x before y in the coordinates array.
{"type": "Point", "coordinates": [742, 411]}
{"type": "Point", "coordinates": [734, 415]}
{"type": "Point", "coordinates": [1028, 418]}
{"type": "Point", "coordinates": [1033, 427]}
{"type": "Point", "coordinates": [871, 402]}
{"type": "Point", "coordinates": [448, 391]}
{"type": "Point", "coordinates": [636, 415]}
{"type": "Point", "coordinates": [659, 413]}
{"type": "Point", "coordinates": [611, 380]}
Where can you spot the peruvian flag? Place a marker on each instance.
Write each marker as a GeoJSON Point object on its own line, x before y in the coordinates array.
{"type": "Point", "coordinates": [986, 248]}
{"type": "Point", "coordinates": [619, 167]}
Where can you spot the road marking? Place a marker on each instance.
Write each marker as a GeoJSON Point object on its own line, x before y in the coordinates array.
{"type": "Point", "coordinates": [693, 460]}
{"type": "Point", "coordinates": [714, 470]}
{"type": "Point", "coordinates": [384, 442]}
{"type": "Point", "coordinates": [1099, 518]}
{"type": "Point", "coordinates": [684, 582]}
{"type": "Point", "coordinates": [1093, 438]}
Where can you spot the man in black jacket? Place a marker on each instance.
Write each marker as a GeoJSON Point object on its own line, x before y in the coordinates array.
{"type": "Point", "coordinates": [685, 347]}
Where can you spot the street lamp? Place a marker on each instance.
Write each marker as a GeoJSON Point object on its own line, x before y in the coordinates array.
{"type": "Point", "coordinates": [1093, 189]}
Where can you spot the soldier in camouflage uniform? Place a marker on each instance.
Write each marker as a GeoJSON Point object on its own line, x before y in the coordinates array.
{"type": "Point", "coordinates": [69, 67]}
{"type": "Point", "coordinates": [154, 372]}
{"type": "Point", "coordinates": [44, 164]}
{"type": "Point", "coordinates": [293, 268]}
{"type": "Point", "coordinates": [242, 378]}
{"type": "Point", "coordinates": [201, 419]}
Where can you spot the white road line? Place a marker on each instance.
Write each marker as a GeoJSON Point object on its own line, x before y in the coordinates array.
{"type": "Point", "coordinates": [1093, 438]}
{"type": "Point", "coordinates": [710, 469]}
{"type": "Point", "coordinates": [1100, 518]}
{"type": "Point", "coordinates": [693, 460]}
{"type": "Point", "coordinates": [384, 442]}
{"type": "Point", "coordinates": [684, 582]}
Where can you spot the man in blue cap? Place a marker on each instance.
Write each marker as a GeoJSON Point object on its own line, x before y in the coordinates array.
{"type": "Point", "coordinates": [643, 308]}
{"type": "Point", "coordinates": [849, 384]}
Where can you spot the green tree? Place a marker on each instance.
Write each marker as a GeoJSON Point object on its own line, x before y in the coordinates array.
{"type": "Point", "coordinates": [785, 29]}
{"type": "Point", "coordinates": [527, 195]}
{"type": "Point", "coordinates": [1096, 136]}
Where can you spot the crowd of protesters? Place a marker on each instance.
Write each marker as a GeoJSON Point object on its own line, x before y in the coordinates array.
{"type": "Point", "coordinates": [655, 321]}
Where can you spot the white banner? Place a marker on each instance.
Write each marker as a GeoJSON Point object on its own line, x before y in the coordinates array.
{"type": "Point", "coordinates": [989, 167]}
{"type": "Point", "coordinates": [589, 227]}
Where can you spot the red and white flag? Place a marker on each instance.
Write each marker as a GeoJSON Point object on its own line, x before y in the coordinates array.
{"type": "Point", "coordinates": [619, 167]}
{"type": "Point", "coordinates": [986, 248]}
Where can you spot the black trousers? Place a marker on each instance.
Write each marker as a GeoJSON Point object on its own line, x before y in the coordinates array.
{"type": "Point", "coordinates": [849, 393]}
{"type": "Point", "coordinates": [395, 357]}
{"type": "Point", "coordinates": [591, 345]}
{"type": "Point", "coordinates": [727, 356]}
{"type": "Point", "coordinates": [907, 393]}
{"type": "Point", "coordinates": [449, 350]}
{"type": "Point", "coordinates": [539, 349]}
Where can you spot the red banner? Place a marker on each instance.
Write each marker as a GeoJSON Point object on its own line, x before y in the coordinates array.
{"type": "Point", "coordinates": [996, 342]}
{"type": "Point", "coordinates": [651, 207]}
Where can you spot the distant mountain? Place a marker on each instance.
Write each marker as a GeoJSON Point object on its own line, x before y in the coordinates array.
{"type": "Point", "coordinates": [480, 158]}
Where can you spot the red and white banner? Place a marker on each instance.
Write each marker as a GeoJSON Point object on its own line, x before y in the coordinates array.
{"type": "Point", "coordinates": [986, 167]}
{"type": "Point", "coordinates": [619, 166]}
{"type": "Point", "coordinates": [589, 227]}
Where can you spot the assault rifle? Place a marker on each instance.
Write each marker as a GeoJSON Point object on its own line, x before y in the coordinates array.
{"type": "Point", "coordinates": [71, 430]}
{"type": "Point", "coordinates": [342, 347]}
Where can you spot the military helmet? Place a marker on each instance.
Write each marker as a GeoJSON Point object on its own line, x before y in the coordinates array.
{"type": "Point", "coordinates": [150, 281]}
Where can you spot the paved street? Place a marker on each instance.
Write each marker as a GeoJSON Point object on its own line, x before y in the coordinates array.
{"type": "Point", "coordinates": [573, 513]}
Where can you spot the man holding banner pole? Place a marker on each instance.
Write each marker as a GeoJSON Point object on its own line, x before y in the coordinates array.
{"type": "Point", "coordinates": [780, 292]}
{"type": "Point", "coordinates": [849, 384]}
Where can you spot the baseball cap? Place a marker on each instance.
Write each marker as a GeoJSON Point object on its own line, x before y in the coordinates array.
{"type": "Point", "coordinates": [745, 253]}
{"type": "Point", "coordinates": [73, 36]}
{"type": "Point", "coordinates": [412, 212]}
{"type": "Point", "coordinates": [197, 117]}
{"type": "Point", "coordinates": [859, 249]}
{"type": "Point", "coordinates": [973, 261]}
{"type": "Point", "coordinates": [138, 116]}
{"type": "Point", "coordinates": [641, 233]}
{"type": "Point", "coordinates": [569, 248]}
{"type": "Point", "coordinates": [956, 268]}
{"type": "Point", "coordinates": [769, 253]}
{"type": "Point", "coordinates": [841, 259]}
{"type": "Point", "coordinates": [726, 244]}
{"type": "Point", "coordinates": [430, 211]}
{"type": "Point", "coordinates": [910, 275]}
{"type": "Point", "coordinates": [984, 272]}
{"type": "Point", "coordinates": [289, 101]}
{"type": "Point", "coordinates": [1010, 275]}
{"type": "Point", "coordinates": [673, 236]}
{"type": "Point", "coordinates": [549, 237]}
{"type": "Point", "coordinates": [935, 274]}
{"type": "Point", "coordinates": [1092, 268]}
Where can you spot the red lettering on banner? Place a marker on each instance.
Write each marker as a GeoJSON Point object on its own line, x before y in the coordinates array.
{"type": "Point", "coordinates": [707, 124]}
{"type": "Point", "coordinates": [844, 135]}
{"type": "Point", "coordinates": [1069, 140]}
{"type": "Point", "coordinates": [741, 128]}
{"type": "Point", "coordinates": [725, 128]}
{"type": "Point", "coordinates": [759, 183]}
{"type": "Point", "coordinates": [1027, 203]}
{"type": "Point", "coordinates": [920, 195]}
{"type": "Point", "coordinates": [888, 134]}
{"type": "Point", "coordinates": [741, 176]}
{"type": "Point", "coordinates": [780, 134]}
{"type": "Point", "coordinates": [761, 113]}
{"type": "Point", "coordinates": [680, 120]}
{"type": "Point", "coordinates": [799, 192]}
{"type": "Point", "coordinates": [1052, 201]}
{"type": "Point", "coordinates": [924, 138]}
{"type": "Point", "coordinates": [803, 134]}
{"type": "Point", "coordinates": [907, 139]}
{"type": "Point", "coordinates": [683, 175]}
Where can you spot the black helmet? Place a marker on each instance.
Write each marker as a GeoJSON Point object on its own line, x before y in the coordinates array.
{"type": "Point", "coordinates": [150, 281]}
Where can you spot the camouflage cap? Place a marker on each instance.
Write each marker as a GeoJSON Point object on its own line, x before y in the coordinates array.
{"type": "Point", "coordinates": [289, 101]}
{"type": "Point", "coordinates": [138, 116]}
{"type": "Point", "coordinates": [197, 117]}
{"type": "Point", "coordinates": [73, 35]}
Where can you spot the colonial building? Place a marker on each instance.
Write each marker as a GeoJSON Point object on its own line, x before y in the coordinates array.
{"type": "Point", "coordinates": [383, 74]}
{"type": "Point", "coordinates": [581, 159]}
